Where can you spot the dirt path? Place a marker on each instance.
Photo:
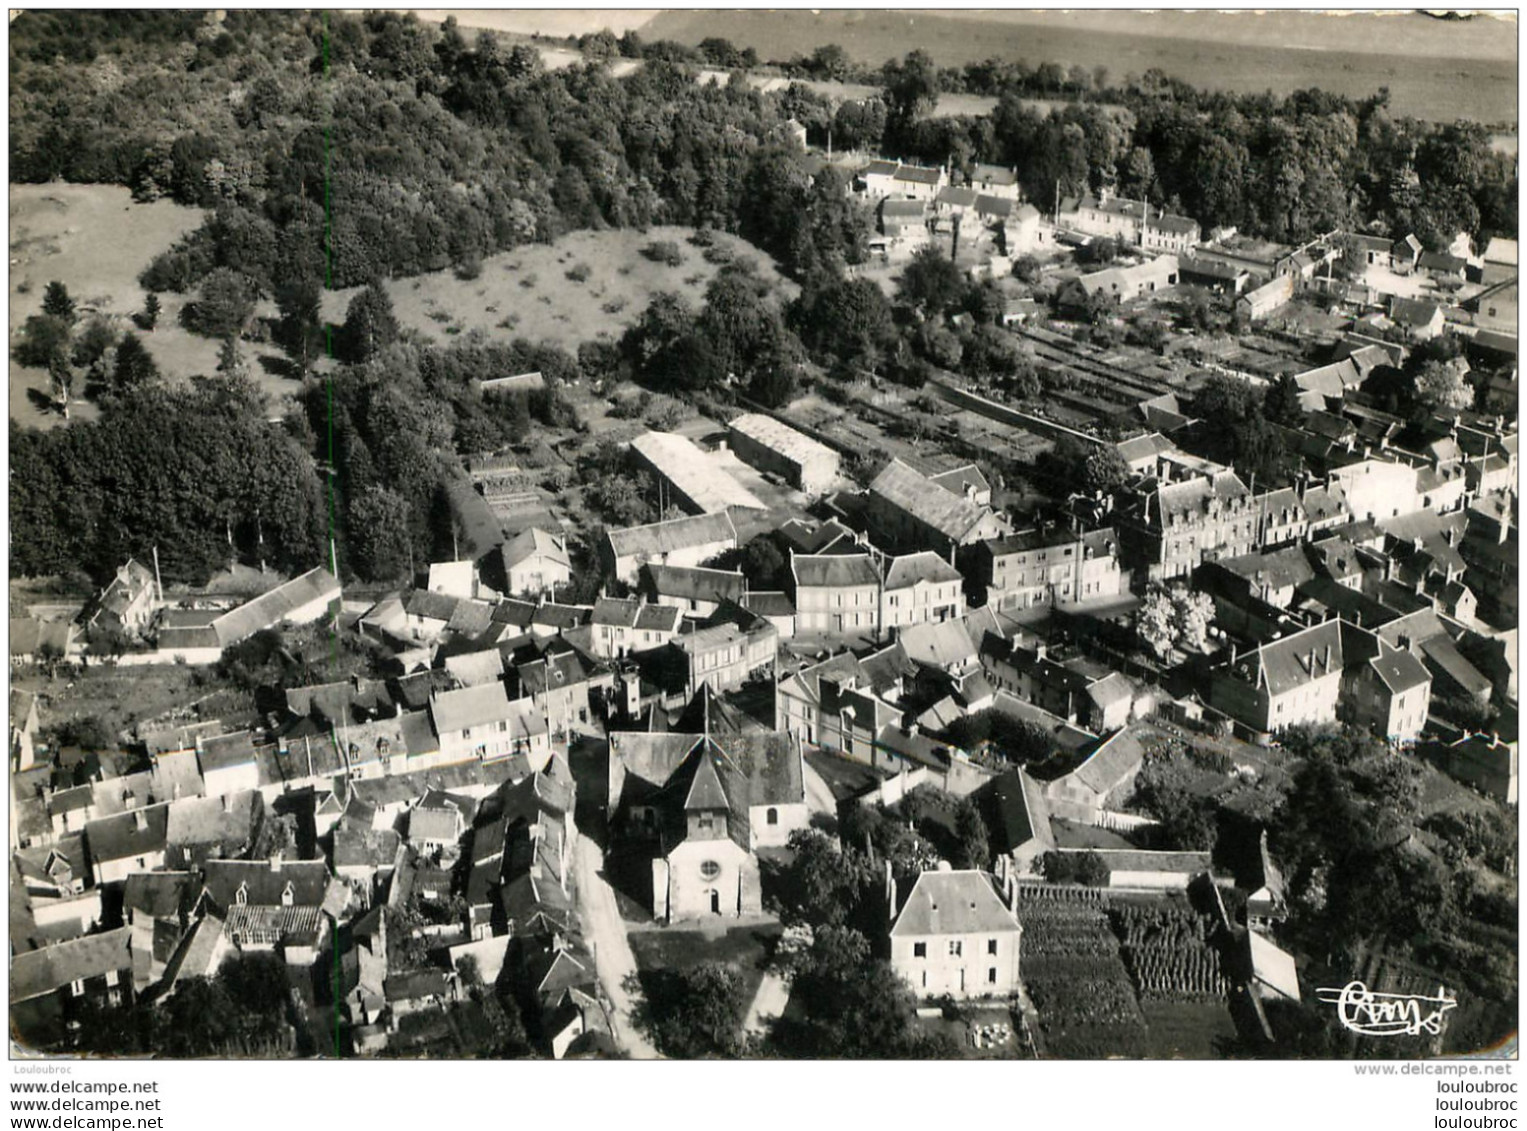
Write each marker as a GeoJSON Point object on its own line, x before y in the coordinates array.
{"type": "Point", "coordinates": [612, 953]}
{"type": "Point", "coordinates": [768, 1003]}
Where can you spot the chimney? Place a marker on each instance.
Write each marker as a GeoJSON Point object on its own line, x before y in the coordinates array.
{"type": "Point", "coordinates": [1310, 662]}
{"type": "Point", "coordinates": [140, 820]}
{"type": "Point", "coordinates": [1327, 661]}
{"type": "Point", "coordinates": [275, 861]}
{"type": "Point", "coordinates": [224, 800]}
{"type": "Point", "coordinates": [890, 892]}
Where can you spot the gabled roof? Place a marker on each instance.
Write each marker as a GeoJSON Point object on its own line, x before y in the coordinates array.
{"type": "Point", "coordinates": [38, 972]}
{"type": "Point", "coordinates": [1413, 312]}
{"type": "Point", "coordinates": [950, 514]}
{"type": "Point", "coordinates": [1399, 671]}
{"type": "Point", "coordinates": [957, 479]}
{"type": "Point", "coordinates": [470, 706]}
{"type": "Point", "coordinates": [264, 882]}
{"type": "Point", "coordinates": [937, 644]}
{"type": "Point", "coordinates": [999, 207]}
{"type": "Point", "coordinates": [1110, 762]}
{"type": "Point", "coordinates": [656, 538]}
{"type": "Point", "coordinates": [275, 606]}
{"type": "Point", "coordinates": [692, 583]}
{"type": "Point", "coordinates": [956, 197]}
{"type": "Point", "coordinates": [472, 669]}
{"type": "Point", "coordinates": [141, 832]}
{"type": "Point", "coordinates": [893, 209]}
{"type": "Point", "coordinates": [953, 903]}
{"type": "Point", "coordinates": [534, 543]}
{"type": "Point", "coordinates": [1022, 813]}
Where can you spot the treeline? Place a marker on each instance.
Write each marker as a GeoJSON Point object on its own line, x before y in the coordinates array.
{"type": "Point", "coordinates": [196, 471]}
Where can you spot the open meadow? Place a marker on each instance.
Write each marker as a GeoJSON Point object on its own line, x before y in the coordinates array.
{"type": "Point", "coordinates": [584, 285]}
{"type": "Point", "coordinates": [96, 240]}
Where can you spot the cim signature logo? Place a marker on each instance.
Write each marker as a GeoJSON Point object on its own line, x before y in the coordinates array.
{"type": "Point", "coordinates": [1388, 1015]}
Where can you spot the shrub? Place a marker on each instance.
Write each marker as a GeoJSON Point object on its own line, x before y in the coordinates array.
{"type": "Point", "coordinates": [579, 272]}
{"type": "Point", "coordinates": [665, 252]}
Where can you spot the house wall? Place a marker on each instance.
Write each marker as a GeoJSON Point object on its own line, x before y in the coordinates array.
{"type": "Point", "coordinates": [974, 972]}
{"type": "Point", "coordinates": [812, 474]}
{"type": "Point", "coordinates": [538, 575]}
{"type": "Point", "coordinates": [788, 818]}
{"type": "Point", "coordinates": [490, 741]}
{"type": "Point", "coordinates": [628, 567]}
{"type": "Point", "coordinates": [114, 871]}
{"type": "Point", "coordinates": [922, 603]}
{"type": "Point", "coordinates": [828, 609]}
{"type": "Point", "coordinates": [1379, 489]}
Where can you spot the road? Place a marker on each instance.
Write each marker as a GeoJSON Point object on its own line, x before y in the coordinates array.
{"type": "Point", "coordinates": [606, 933]}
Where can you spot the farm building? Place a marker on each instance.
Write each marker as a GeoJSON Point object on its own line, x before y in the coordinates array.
{"type": "Point", "coordinates": [302, 600]}
{"type": "Point", "coordinates": [769, 445]}
{"type": "Point", "coordinates": [677, 541]}
{"type": "Point", "coordinates": [1266, 298]}
{"type": "Point", "coordinates": [1125, 283]}
{"type": "Point", "coordinates": [689, 476]}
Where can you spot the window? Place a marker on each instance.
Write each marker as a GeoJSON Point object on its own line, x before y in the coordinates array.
{"type": "Point", "coordinates": [955, 948]}
{"type": "Point", "coordinates": [991, 946]}
{"type": "Point", "coordinates": [111, 977]}
{"type": "Point", "coordinates": [502, 726]}
{"type": "Point", "coordinates": [709, 870]}
{"type": "Point", "coordinates": [772, 816]}
{"type": "Point", "coordinates": [707, 822]}
{"type": "Point", "coordinates": [991, 975]}
{"type": "Point", "coordinates": [919, 950]}
{"type": "Point", "coordinates": [466, 734]}
{"type": "Point", "coordinates": [77, 987]}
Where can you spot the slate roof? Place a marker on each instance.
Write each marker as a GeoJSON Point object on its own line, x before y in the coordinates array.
{"type": "Point", "coordinates": [120, 838]}
{"type": "Point", "coordinates": [1022, 814]}
{"type": "Point", "coordinates": [1114, 759]}
{"type": "Point", "coordinates": [35, 973]}
{"type": "Point", "coordinates": [692, 583]}
{"type": "Point", "coordinates": [1284, 665]}
{"type": "Point", "coordinates": [470, 707]}
{"type": "Point", "coordinates": [656, 538]}
{"type": "Point", "coordinates": [707, 485]}
{"type": "Point", "coordinates": [769, 603]}
{"type": "Point", "coordinates": [532, 543]}
{"type": "Point", "coordinates": [953, 903]}
{"type": "Point", "coordinates": [924, 566]}
{"type": "Point", "coordinates": [1399, 670]}
{"type": "Point", "coordinates": [160, 895]}
{"type": "Point", "coordinates": [997, 207]}
{"type": "Point", "coordinates": [472, 669]}
{"type": "Point", "coordinates": [1412, 312]}
{"type": "Point", "coordinates": [956, 197]}
{"type": "Point", "coordinates": [229, 821]}
{"type": "Point", "coordinates": [264, 883]}
{"type": "Point", "coordinates": [273, 607]}
{"type": "Point", "coordinates": [904, 488]}
{"type": "Point", "coordinates": [893, 209]}
{"type": "Point", "coordinates": [834, 571]}
{"type": "Point", "coordinates": [226, 751]}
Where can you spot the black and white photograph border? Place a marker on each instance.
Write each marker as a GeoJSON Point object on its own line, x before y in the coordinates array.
{"type": "Point", "coordinates": [740, 538]}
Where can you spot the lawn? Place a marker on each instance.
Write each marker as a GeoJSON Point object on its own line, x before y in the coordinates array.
{"type": "Point", "coordinates": [534, 291]}
{"type": "Point", "coordinates": [96, 239]}
{"type": "Point", "coordinates": [746, 949]}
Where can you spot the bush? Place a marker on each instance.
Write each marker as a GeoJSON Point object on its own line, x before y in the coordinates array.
{"type": "Point", "coordinates": [579, 272]}
{"type": "Point", "coordinates": [665, 252]}
{"type": "Point", "coordinates": [469, 268]}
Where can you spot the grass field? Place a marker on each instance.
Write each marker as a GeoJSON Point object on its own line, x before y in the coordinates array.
{"type": "Point", "coordinates": [527, 292]}
{"type": "Point", "coordinates": [96, 239]}
{"type": "Point", "coordinates": [745, 949]}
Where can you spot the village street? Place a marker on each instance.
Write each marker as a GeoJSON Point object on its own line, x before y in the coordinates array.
{"type": "Point", "coordinates": [606, 933]}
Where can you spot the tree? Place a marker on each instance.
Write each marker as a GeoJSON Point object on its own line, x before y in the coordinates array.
{"type": "Point", "coordinates": [149, 319]}
{"type": "Point", "coordinates": [932, 283]}
{"type": "Point", "coordinates": [225, 304]}
{"type": "Point", "coordinates": [911, 94]}
{"type": "Point", "coordinates": [1075, 868]}
{"type": "Point", "coordinates": [1441, 386]}
{"type": "Point", "coordinates": [44, 340]}
{"type": "Point", "coordinates": [1028, 269]}
{"type": "Point", "coordinates": [230, 359]}
{"type": "Point", "coordinates": [370, 325]}
{"type": "Point", "coordinates": [823, 885]}
{"type": "Point", "coordinates": [135, 368]}
{"type": "Point", "coordinates": [973, 843]}
{"type": "Point", "coordinates": [56, 303]}
{"type": "Point", "coordinates": [693, 1011]}
{"type": "Point", "coordinates": [1192, 613]}
{"type": "Point", "coordinates": [1281, 404]}
{"type": "Point", "coordinates": [853, 1005]}
{"type": "Point", "coordinates": [300, 326]}
{"type": "Point", "coordinates": [1155, 621]}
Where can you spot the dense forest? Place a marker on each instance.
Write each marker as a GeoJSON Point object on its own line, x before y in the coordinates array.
{"type": "Point", "coordinates": [332, 151]}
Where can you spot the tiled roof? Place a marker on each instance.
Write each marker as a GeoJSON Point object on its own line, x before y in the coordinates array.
{"type": "Point", "coordinates": [273, 607]}
{"type": "Point", "coordinates": [924, 566]}
{"type": "Point", "coordinates": [1022, 814]}
{"type": "Point", "coordinates": [141, 832]}
{"type": "Point", "coordinates": [692, 583]}
{"type": "Point", "coordinates": [534, 543]}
